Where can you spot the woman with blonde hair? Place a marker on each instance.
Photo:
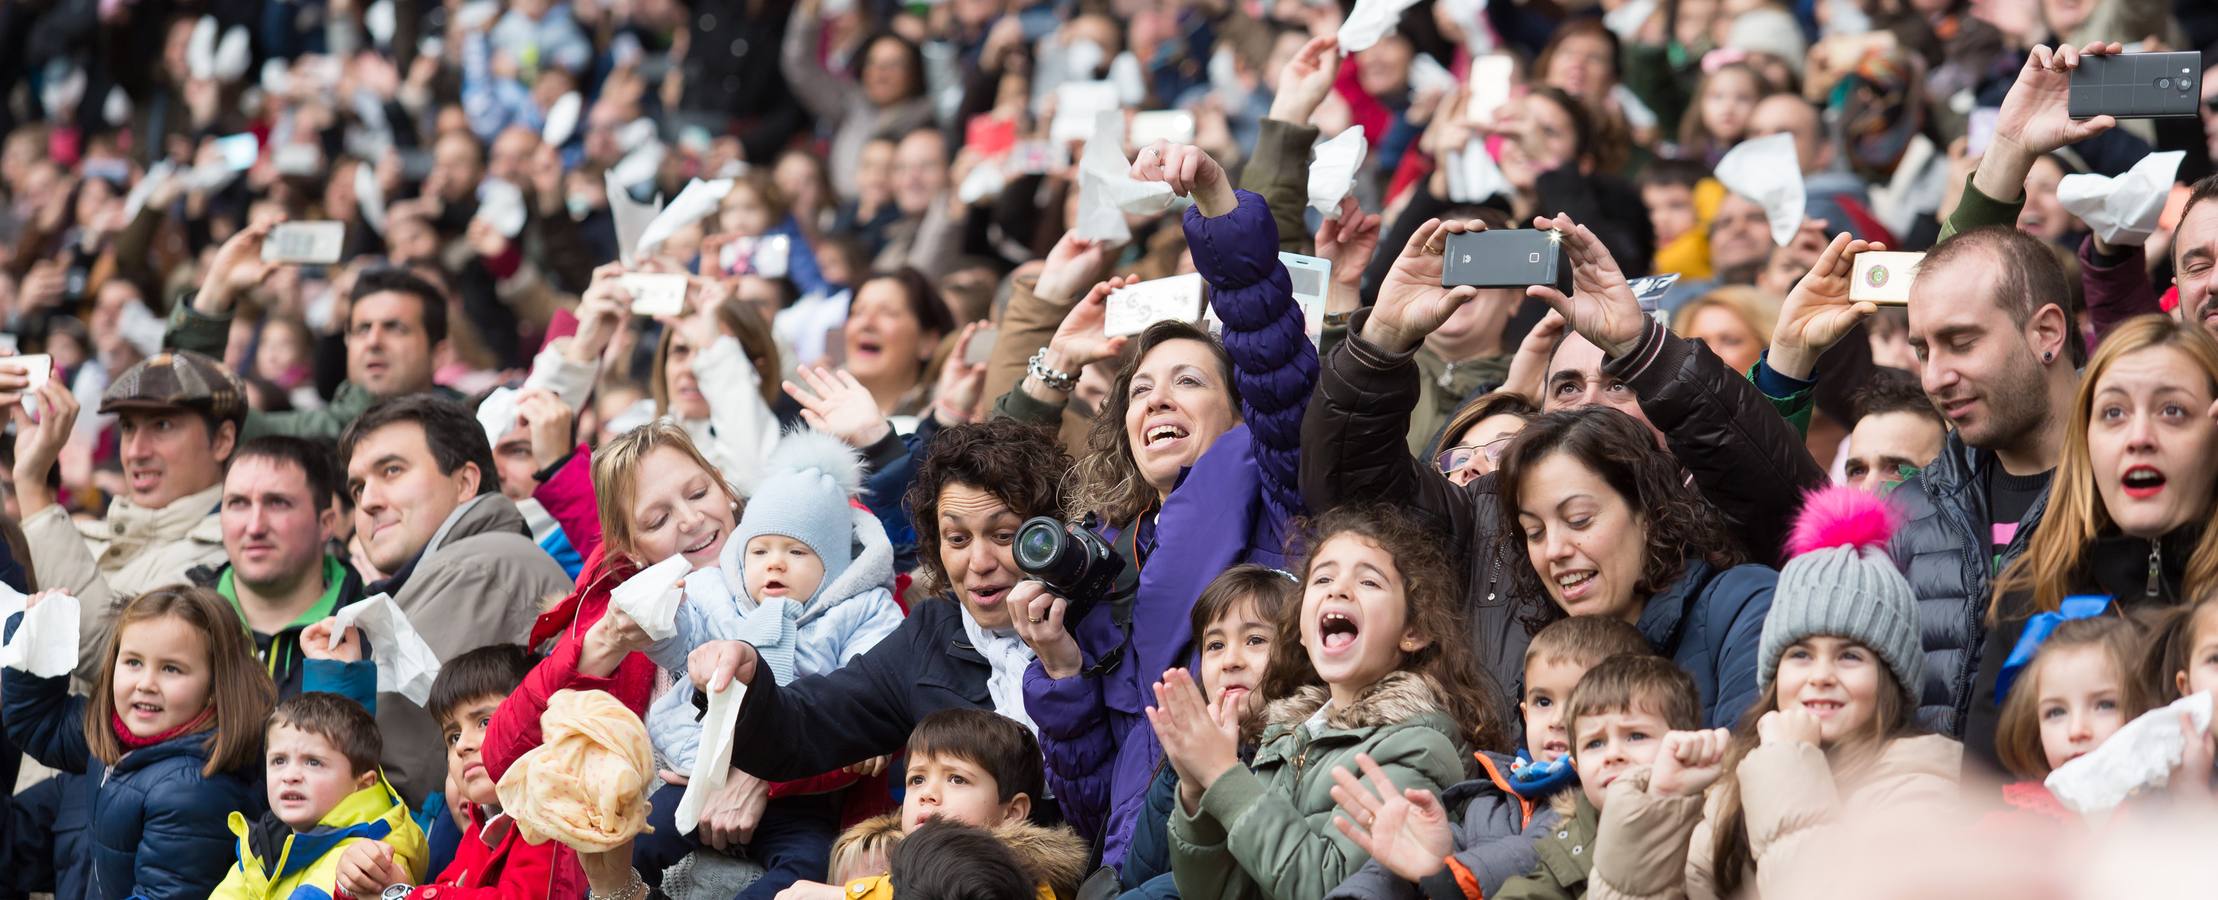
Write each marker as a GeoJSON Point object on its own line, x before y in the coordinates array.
{"type": "Point", "coordinates": [1735, 321]}
{"type": "Point", "coordinates": [2129, 509]}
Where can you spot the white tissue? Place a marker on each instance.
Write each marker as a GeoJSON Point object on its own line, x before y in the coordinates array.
{"type": "Point", "coordinates": [369, 195]}
{"type": "Point", "coordinates": [501, 205]}
{"type": "Point", "coordinates": [200, 48]}
{"type": "Point", "coordinates": [155, 176]}
{"type": "Point", "coordinates": [632, 216]}
{"type": "Point", "coordinates": [2123, 210]}
{"type": "Point", "coordinates": [1768, 171]}
{"type": "Point", "coordinates": [562, 119]}
{"type": "Point", "coordinates": [1370, 21]}
{"type": "Point", "coordinates": [1130, 79]}
{"type": "Point", "coordinates": [1106, 188]}
{"type": "Point", "coordinates": [698, 201]}
{"type": "Point", "coordinates": [232, 55]}
{"type": "Point", "coordinates": [497, 414]}
{"type": "Point", "coordinates": [713, 761]}
{"type": "Point", "coordinates": [2137, 757]}
{"type": "Point", "coordinates": [1473, 175]}
{"type": "Point", "coordinates": [380, 21]}
{"type": "Point", "coordinates": [1427, 75]}
{"type": "Point", "coordinates": [406, 664]}
{"type": "Point", "coordinates": [651, 597]}
{"type": "Point", "coordinates": [640, 166]}
{"type": "Point", "coordinates": [984, 180]}
{"type": "Point", "coordinates": [1078, 106]}
{"type": "Point", "coordinates": [45, 644]}
{"type": "Point", "coordinates": [1332, 168]}
{"type": "Point", "coordinates": [1470, 17]}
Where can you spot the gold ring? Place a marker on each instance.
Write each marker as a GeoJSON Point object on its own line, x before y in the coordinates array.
{"type": "Point", "coordinates": [1035, 619]}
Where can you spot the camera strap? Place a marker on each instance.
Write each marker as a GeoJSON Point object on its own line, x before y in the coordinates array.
{"type": "Point", "coordinates": [1121, 602]}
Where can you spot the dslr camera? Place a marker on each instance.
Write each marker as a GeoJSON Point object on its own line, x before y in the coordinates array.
{"type": "Point", "coordinates": [1073, 562]}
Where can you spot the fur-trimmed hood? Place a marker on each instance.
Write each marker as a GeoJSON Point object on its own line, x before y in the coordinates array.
{"type": "Point", "coordinates": [1397, 698]}
{"type": "Point", "coordinates": [1055, 857]}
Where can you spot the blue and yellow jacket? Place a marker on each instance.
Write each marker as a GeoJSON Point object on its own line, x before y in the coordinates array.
{"type": "Point", "coordinates": [277, 863]}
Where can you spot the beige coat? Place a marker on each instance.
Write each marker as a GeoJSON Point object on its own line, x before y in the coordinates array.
{"type": "Point", "coordinates": [1661, 847]}
{"type": "Point", "coordinates": [105, 562]}
{"type": "Point", "coordinates": [479, 581]}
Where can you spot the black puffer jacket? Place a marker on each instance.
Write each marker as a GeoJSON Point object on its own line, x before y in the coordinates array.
{"type": "Point", "coordinates": [1747, 461]}
{"type": "Point", "coordinates": [1946, 551]}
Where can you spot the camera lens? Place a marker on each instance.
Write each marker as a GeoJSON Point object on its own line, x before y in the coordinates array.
{"type": "Point", "coordinates": [2164, 84]}
{"type": "Point", "coordinates": [1038, 543]}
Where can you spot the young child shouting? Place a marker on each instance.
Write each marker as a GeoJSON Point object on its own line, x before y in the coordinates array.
{"type": "Point", "coordinates": [492, 862]}
{"type": "Point", "coordinates": [1373, 661]}
{"type": "Point", "coordinates": [326, 797]}
{"type": "Point", "coordinates": [1619, 714]}
{"type": "Point", "coordinates": [1834, 731]}
{"type": "Point", "coordinates": [977, 768]}
{"type": "Point", "coordinates": [1481, 833]}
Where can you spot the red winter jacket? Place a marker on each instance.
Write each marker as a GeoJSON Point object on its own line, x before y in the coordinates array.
{"type": "Point", "coordinates": [567, 495]}
{"type": "Point", "coordinates": [515, 726]}
{"type": "Point", "coordinates": [506, 868]}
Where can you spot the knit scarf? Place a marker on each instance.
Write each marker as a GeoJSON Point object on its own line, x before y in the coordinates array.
{"type": "Point", "coordinates": [134, 742]}
{"type": "Point", "coordinates": [1008, 656]}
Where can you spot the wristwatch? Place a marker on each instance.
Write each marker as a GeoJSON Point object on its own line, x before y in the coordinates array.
{"type": "Point", "coordinates": [396, 892]}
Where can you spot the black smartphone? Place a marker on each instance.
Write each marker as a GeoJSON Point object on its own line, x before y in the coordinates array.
{"type": "Point", "coordinates": [1515, 258]}
{"type": "Point", "coordinates": [2137, 86]}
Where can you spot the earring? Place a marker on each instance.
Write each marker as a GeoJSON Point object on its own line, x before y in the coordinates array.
{"type": "Point", "coordinates": [2048, 356]}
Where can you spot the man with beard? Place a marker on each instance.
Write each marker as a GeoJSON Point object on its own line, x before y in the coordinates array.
{"type": "Point", "coordinates": [2195, 256]}
{"type": "Point", "coordinates": [2000, 352]}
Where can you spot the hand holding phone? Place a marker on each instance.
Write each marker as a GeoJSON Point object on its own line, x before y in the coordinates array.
{"type": "Point", "coordinates": [305, 243]}
{"type": "Point", "coordinates": [2137, 86]}
{"type": "Point", "coordinates": [1884, 277]}
{"type": "Point", "coordinates": [654, 294]}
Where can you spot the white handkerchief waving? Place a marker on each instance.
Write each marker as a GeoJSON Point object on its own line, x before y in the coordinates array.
{"type": "Point", "coordinates": [45, 643]}
{"type": "Point", "coordinates": [1768, 171]}
{"type": "Point", "coordinates": [497, 413]}
{"type": "Point", "coordinates": [2123, 210]}
{"type": "Point", "coordinates": [1332, 169]}
{"type": "Point", "coordinates": [1106, 188]}
{"type": "Point", "coordinates": [698, 201]}
{"type": "Point", "coordinates": [713, 762]}
{"type": "Point", "coordinates": [406, 664]}
{"type": "Point", "coordinates": [632, 217]}
{"type": "Point", "coordinates": [1370, 21]}
{"type": "Point", "coordinates": [2139, 756]}
{"type": "Point", "coordinates": [652, 595]}
{"type": "Point", "coordinates": [1473, 176]}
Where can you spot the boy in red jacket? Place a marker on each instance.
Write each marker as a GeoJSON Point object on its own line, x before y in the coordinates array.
{"type": "Point", "coordinates": [492, 861]}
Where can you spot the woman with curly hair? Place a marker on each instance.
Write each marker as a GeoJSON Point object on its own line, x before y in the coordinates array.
{"type": "Point", "coordinates": [975, 485]}
{"type": "Point", "coordinates": [1600, 522]}
{"type": "Point", "coordinates": [1195, 454]}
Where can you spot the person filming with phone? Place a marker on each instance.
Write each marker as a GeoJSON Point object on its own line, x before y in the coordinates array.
{"type": "Point", "coordinates": [396, 326]}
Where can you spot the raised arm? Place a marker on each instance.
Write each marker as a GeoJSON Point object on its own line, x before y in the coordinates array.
{"type": "Point", "coordinates": [2032, 123]}
{"type": "Point", "coordinates": [1355, 430]}
{"type": "Point", "coordinates": [826, 94]}
{"type": "Point", "coordinates": [1747, 460]}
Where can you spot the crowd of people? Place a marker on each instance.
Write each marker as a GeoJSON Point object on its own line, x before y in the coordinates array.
{"type": "Point", "coordinates": [743, 450]}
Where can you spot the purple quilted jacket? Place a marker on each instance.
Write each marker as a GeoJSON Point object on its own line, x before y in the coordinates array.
{"type": "Point", "coordinates": [1236, 504]}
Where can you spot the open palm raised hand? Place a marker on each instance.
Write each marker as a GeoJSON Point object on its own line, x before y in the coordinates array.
{"type": "Point", "coordinates": [1405, 830]}
{"type": "Point", "coordinates": [1411, 302]}
{"type": "Point", "coordinates": [1601, 307]}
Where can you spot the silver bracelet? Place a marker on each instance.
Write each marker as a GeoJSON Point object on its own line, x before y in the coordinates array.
{"type": "Point", "coordinates": [636, 890]}
{"type": "Point", "coordinates": [1062, 382]}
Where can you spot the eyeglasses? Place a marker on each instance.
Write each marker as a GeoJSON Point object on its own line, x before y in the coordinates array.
{"type": "Point", "coordinates": [1455, 459]}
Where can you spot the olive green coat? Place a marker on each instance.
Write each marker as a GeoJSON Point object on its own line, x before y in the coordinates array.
{"type": "Point", "coordinates": [1265, 830]}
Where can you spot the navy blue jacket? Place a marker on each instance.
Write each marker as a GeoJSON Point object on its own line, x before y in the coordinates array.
{"type": "Point", "coordinates": [1710, 623]}
{"type": "Point", "coordinates": [150, 826]}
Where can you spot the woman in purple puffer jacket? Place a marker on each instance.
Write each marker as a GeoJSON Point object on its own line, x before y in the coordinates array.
{"type": "Point", "coordinates": [1197, 448]}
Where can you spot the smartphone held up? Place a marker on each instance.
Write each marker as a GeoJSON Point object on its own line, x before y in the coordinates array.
{"type": "Point", "coordinates": [1512, 259]}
